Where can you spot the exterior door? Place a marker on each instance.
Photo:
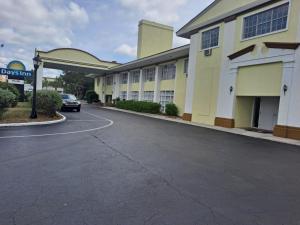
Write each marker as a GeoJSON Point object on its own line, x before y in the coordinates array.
{"type": "Point", "coordinates": [268, 113]}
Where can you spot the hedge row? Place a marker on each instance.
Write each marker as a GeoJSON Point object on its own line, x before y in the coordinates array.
{"type": "Point", "coordinates": [171, 109]}
{"type": "Point", "coordinates": [91, 96]}
{"type": "Point", "coordinates": [47, 102]}
{"type": "Point", "coordinates": [139, 106]}
{"type": "Point", "coordinates": [10, 87]}
{"type": "Point", "coordinates": [7, 99]}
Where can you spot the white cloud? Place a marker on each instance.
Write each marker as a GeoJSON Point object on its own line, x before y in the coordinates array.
{"type": "Point", "coordinates": [178, 41]}
{"type": "Point", "coordinates": [127, 50]}
{"type": "Point", "coordinates": [165, 11]}
{"type": "Point", "coordinates": [38, 24]}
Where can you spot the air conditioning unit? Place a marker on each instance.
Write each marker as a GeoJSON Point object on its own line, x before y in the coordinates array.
{"type": "Point", "coordinates": [208, 52]}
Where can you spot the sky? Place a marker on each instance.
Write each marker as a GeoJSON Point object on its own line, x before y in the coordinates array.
{"type": "Point", "coordinates": [106, 29]}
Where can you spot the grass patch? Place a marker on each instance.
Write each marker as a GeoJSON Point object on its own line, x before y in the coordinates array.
{"type": "Point", "coordinates": [21, 114]}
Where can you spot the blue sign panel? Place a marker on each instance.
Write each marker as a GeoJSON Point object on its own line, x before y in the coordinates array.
{"type": "Point", "coordinates": [15, 73]}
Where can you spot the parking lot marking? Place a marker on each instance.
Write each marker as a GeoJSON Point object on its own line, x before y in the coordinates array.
{"type": "Point", "coordinates": [65, 133]}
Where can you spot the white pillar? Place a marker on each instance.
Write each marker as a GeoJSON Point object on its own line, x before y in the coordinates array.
{"type": "Point", "coordinates": [226, 99]}
{"type": "Point", "coordinates": [116, 93]}
{"type": "Point", "coordinates": [39, 77]}
{"type": "Point", "coordinates": [102, 86]}
{"type": "Point", "coordinates": [128, 86]}
{"type": "Point", "coordinates": [156, 85]}
{"type": "Point", "coordinates": [141, 86]}
{"type": "Point", "coordinates": [285, 97]}
{"type": "Point", "coordinates": [194, 47]}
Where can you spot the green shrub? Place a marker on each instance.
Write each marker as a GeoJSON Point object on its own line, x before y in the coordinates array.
{"type": "Point", "coordinates": [91, 96]}
{"type": "Point", "coordinates": [12, 88]}
{"type": "Point", "coordinates": [146, 107]}
{"type": "Point", "coordinates": [171, 109]}
{"type": "Point", "coordinates": [7, 99]}
{"type": "Point", "coordinates": [47, 102]}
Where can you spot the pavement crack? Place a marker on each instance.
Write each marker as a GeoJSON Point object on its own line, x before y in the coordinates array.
{"type": "Point", "coordinates": [166, 181]}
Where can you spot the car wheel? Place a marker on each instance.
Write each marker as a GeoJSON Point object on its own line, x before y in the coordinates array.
{"type": "Point", "coordinates": [78, 109]}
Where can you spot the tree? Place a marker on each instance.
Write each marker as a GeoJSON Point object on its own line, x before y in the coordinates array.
{"type": "Point", "coordinates": [57, 83]}
{"type": "Point", "coordinates": [77, 83]}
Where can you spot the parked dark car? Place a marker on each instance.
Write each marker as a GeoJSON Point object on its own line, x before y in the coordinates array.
{"type": "Point", "coordinates": [70, 102]}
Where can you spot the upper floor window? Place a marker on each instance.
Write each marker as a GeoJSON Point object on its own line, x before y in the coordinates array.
{"type": "Point", "coordinates": [168, 72]}
{"type": "Point", "coordinates": [149, 74]}
{"type": "Point", "coordinates": [124, 78]}
{"type": "Point", "coordinates": [135, 76]}
{"type": "Point", "coordinates": [109, 80]}
{"type": "Point", "coordinates": [210, 38]}
{"type": "Point", "coordinates": [268, 21]}
{"type": "Point", "coordinates": [186, 66]}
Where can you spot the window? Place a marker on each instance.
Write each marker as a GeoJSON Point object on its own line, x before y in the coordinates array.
{"type": "Point", "coordinates": [148, 96]}
{"type": "Point", "coordinates": [165, 98]}
{"type": "Point", "coordinates": [167, 72]}
{"type": "Point", "coordinates": [123, 95]}
{"type": "Point", "coordinates": [149, 74]}
{"type": "Point", "coordinates": [135, 95]}
{"type": "Point", "coordinates": [266, 22]}
{"type": "Point", "coordinates": [124, 78]}
{"type": "Point", "coordinates": [186, 66]}
{"type": "Point", "coordinates": [135, 76]}
{"type": "Point", "coordinates": [210, 38]}
{"type": "Point", "coordinates": [109, 80]}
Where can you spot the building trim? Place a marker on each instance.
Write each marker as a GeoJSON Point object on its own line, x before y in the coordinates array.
{"type": "Point", "coordinates": [282, 45]}
{"type": "Point", "coordinates": [287, 132]}
{"type": "Point", "coordinates": [186, 33]}
{"type": "Point", "coordinates": [187, 116]}
{"type": "Point", "coordinates": [241, 52]}
{"type": "Point", "coordinates": [224, 122]}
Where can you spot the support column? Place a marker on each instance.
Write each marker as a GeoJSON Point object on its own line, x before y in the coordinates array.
{"type": "Point", "coordinates": [156, 85]}
{"type": "Point", "coordinates": [192, 70]}
{"type": "Point", "coordinates": [128, 86]}
{"type": "Point", "coordinates": [116, 93]}
{"type": "Point", "coordinates": [39, 77]}
{"type": "Point", "coordinates": [227, 84]}
{"type": "Point", "coordinates": [288, 125]}
{"type": "Point", "coordinates": [141, 86]}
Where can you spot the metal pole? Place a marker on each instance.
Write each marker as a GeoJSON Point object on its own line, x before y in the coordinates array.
{"type": "Point", "coordinates": [33, 109]}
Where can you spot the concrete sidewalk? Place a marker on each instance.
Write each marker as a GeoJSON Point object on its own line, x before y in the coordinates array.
{"type": "Point", "coordinates": [237, 131]}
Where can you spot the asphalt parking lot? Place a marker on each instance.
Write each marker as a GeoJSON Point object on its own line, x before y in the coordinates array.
{"type": "Point", "coordinates": [104, 167]}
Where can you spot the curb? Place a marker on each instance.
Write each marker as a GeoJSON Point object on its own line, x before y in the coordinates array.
{"type": "Point", "coordinates": [236, 131]}
{"type": "Point", "coordinates": [35, 123]}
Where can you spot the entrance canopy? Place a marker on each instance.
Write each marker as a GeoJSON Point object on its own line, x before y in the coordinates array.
{"type": "Point", "coordinates": [71, 59]}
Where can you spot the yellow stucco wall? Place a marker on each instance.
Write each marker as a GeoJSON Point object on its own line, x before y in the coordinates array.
{"type": "Point", "coordinates": [206, 85]}
{"type": "Point", "coordinates": [167, 85]}
{"type": "Point", "coordinates": [149, 86]}
{"type": "Point", "coordinates": [135, 87]}
{"type": "Point", "coordinates": [123, 87]}
{"type": "Point", "coordinates": [109, 90]}
{"type": "Point", "coordinates": [259, 80]}
{"type": "Point", "coordinates": [243, 111]}
{"type": "Point", "coordinates": [180, 86]}
{"type": "Point", "coordinates": [153, 38]}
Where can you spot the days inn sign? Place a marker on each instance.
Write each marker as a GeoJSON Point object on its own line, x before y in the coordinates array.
{"type": "Point", "coordinates": [15, 69]}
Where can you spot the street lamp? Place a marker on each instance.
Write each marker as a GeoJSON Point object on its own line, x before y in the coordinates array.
{"type": "Point", "coordinates": [36, 63]}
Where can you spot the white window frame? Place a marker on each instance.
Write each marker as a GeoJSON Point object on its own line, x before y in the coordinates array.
{"type": "Point", "coordinates": [135, 76]}
{"type": "Point", "coordinates": [134, 95]}
{"type": "Point", "coordinates": [145, 74]}
{"type": "Point", "coordinates": [242, 39]}
{"type": "Point", "coordinates": [148, 96]}
{"type": "Point", "coordinates": [166, 94]}
{"type": "Point", "coordinates": [123, 95]}
{"type": "Point", "coordinates": [208, 29]}
{"type": "Point", "coordinates": [168, 76]}
{"type": "Point", "coordinates": [122, 75]}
